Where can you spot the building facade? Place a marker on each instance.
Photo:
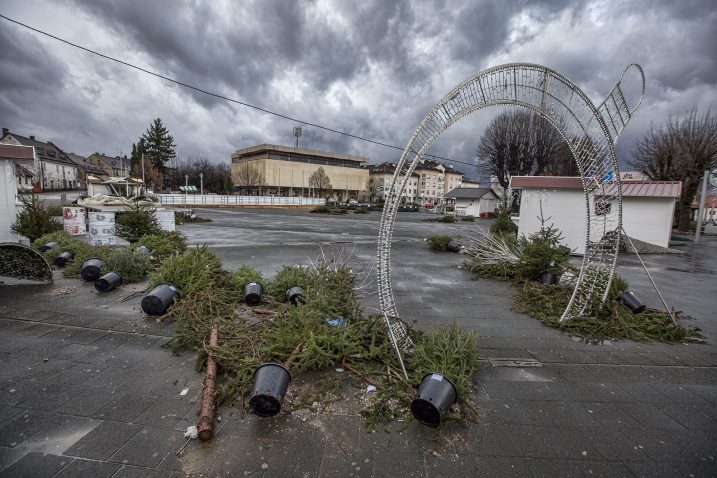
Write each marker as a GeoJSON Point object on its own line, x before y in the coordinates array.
{"type": "Point", "coordinates": [117, 166]}
{"type": "Point", "coordinates": [269, 169]}
{"type": "Point", "coordinates": [470, 201]}
{"type": "Point", "coordinates": [57, 171]}
{"type": "Point", "coordinates": [84, 167]}
{"type": "Point", "coordinates": [435, 180]}
{"type": "Point", "coordinates": [379, 184]}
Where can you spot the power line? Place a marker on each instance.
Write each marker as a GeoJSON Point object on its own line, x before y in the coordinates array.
{"type": "Point", "coordinates": [216, 95]}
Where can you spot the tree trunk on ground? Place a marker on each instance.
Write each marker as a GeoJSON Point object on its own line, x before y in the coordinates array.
{"type": "Point", "coordinates": [205, 426]}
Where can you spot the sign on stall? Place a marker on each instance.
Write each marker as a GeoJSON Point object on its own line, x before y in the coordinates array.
{"type": "Point", "coordinates": [73, 220]}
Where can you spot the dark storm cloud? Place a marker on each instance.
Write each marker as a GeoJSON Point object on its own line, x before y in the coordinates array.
{"type": "Point", "coordinates": [27, 66]}
{"type": "Point", "coordinates": [372, 68]}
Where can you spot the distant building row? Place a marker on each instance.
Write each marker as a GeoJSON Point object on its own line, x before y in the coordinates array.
{"type": "Point", "coordinates": [285, 171]}
{"type": "Point", "coordinates": [49, 168]}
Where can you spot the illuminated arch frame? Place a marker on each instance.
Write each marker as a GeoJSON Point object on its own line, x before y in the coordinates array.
{"type": "Point", "coordinates": [590, 132]}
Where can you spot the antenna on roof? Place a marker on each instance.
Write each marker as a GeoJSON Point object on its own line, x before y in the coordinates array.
{"type": "Point", "coordinates": [297, 133]}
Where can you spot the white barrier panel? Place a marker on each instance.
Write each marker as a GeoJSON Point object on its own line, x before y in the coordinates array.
{"type": "Point", "coordinates": [166, 220]}
{"type": "Point", "coordinates": [232, 200]}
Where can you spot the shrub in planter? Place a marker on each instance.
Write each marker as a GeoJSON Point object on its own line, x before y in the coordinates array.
{"type": "Point", "coordinates": [542, 252]}
{"type": "Point", "coordinates": [468, 218]}
{"type": "Point", "coordinates": [138, 220]}
{"type": "Point", "coordinates": [244, 275]}
{"type": "Point", "coordinates": [194, 270]}
{"type": "Point", "coordinates": [288, 277]}
{"type": "Point", "coordinates": [448, 353]}
{"type": "Point", "coordinates": [132, 267]}
{"type": "Point", "coordinates": [34, 220]}
{"type": "Point", "coordinates": [164, 243]}
{"type": "Point", "coordinates": [503, 224]}
{"type": "Point", "coordinates": [439, 243]}
{"type": "Point", "coordinates": [448, 219]}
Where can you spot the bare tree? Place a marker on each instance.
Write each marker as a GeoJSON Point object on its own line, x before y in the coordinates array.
{"type": "Point", "coordinates": [320, 181]}
{"type": "Point", "coordinates": [680, 150]}
{"type": "Point", "coordinates": [519, 143]}
{"type": "Point", "coordinates": [248, 177]}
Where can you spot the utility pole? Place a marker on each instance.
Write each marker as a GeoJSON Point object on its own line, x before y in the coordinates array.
{"type": "Point", "coordinates": [144, 182]}
{"type": "Point", "coordinates": [703, 197]}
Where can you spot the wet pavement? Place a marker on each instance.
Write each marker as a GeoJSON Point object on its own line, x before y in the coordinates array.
{"type": "Point", "coordinates": [87, 388]}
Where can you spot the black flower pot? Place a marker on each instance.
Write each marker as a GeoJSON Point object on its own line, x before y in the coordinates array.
{"type": "Point", "coordinates": [453, 246]}
{"type": "Point", "coordinates": [270, 384]}
{"type": "Point", "coordinates": [47, 246]}
{"type": "Point", "coordinates": [64, 258]}
{"type": "Point", "coordinates": [632, 302]}
{"type": "Point", "coordinates": [295, 295]}
{"type": "Point", "coordinates": [548, 278]}
{"type": "Point", "coordinates": [252, 293]}
{"type": "Point", "coordinates": [143, 250]}
{"type": "Point", "coordinates": [108, 282]}
{"type": "Point", "coordinates": [435, 396]}
{"type": "Point", "coordinates": [91, 269]}
{"type": "Point", "coordinates": [160, 299]}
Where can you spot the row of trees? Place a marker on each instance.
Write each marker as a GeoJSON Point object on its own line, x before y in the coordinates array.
{"type": "Point", "coordinates": [248, 178]}
{"type": "Point", "coordinates": [522, 143]}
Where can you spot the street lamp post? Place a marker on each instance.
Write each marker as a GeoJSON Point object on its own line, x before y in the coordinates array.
{"type": "Point", "coordinates": [186, 180]}
{"type": "Point", "coordinates": [201, 183]}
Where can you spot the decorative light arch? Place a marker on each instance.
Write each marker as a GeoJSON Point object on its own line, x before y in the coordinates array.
{"type": "Point", "coordinates": [590, 132]}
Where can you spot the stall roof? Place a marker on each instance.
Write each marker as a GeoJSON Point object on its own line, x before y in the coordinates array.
{"type": "Point", "coordinates": [629, 188]}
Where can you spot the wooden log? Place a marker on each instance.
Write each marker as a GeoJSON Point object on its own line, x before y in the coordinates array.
{"type": "Point", "coordinates": [205, 426]}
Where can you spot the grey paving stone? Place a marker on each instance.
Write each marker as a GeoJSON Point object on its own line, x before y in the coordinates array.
{"type": "Point", "coordinates": [148, 447]}
{"type": "Point", "coordinates": [139, 472]}
{"type": "Point", "coordinates": [52, 396]}
{"type": "Point", "coordinates": [399, 464]}
{"type": "Point", "coordinates": [35, 465]}
{"type": "Point", "coordinates": [87, 402]}
{"type": "Point", "coordinates": [659, 445]}
{"type": "Point", "coordinates": [501, 467]}
{"type": "Point", "coordinates": [104, 441]}
{"type": "Point", "coordinates": [690, 416]}
{"type": "Point", "coordinates": [166, 412]}
{"type": "Point", "coordinates": [243, 455]}
{"type": "Point", "coordinates": [25, 425]}
{"type": "Point", "coordinates": [338, 461]}
{"type": "Point", "coordinates": [649, 416]}
{"type": "Point", "coordinates": [125, 407]}
{"type": "Point", "coordinates": [86, 468]}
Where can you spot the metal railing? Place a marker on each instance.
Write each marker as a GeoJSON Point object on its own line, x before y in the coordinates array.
{"type": "Point", "coordinates": [232, 200]}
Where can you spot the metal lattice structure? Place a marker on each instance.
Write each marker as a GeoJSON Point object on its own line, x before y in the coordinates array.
{"type": "Point", "coordinates": [590, 132]}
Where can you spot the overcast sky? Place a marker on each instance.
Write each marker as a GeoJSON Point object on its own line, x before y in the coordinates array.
{"type": "Point", "coordinates": [371, 68]}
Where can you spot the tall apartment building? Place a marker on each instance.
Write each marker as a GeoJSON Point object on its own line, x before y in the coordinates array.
{"type": "Point", "coordinates": [435, 180]}
{"type": "Point", "coordinates": [379, 183]}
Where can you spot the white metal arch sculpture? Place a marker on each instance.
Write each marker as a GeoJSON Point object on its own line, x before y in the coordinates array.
{"type": "Point", "coordinates": [590, 132]}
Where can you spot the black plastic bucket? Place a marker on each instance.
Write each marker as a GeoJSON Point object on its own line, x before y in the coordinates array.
{"type": "Point", "coordinates": [91, 269]}
{"type": "Point", "coordinates": [632, 302]}
{"type": "Point", "coordinates": [159, 299]}
{"type": "Point", "coordinates": [295, 295]}
{"type": "Point", "coordinates": [47, 246]}
{"type": "Point", "coordinates": [143, 250]}
{"type": "Point", "coordinates": [271, 381]}
{"type": "Point", "coordinates": [108, 282]}
{"type": "Point", "coordinates": [64, 258]}
{"type": "Point", "coordinates": [548, 278]}
{"type": "Point", "coordinates": [435, 396]}
{"type": "Point", "coordinates": [252, 293]}
{"type": "Point", "coordinates": [453, 246]}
